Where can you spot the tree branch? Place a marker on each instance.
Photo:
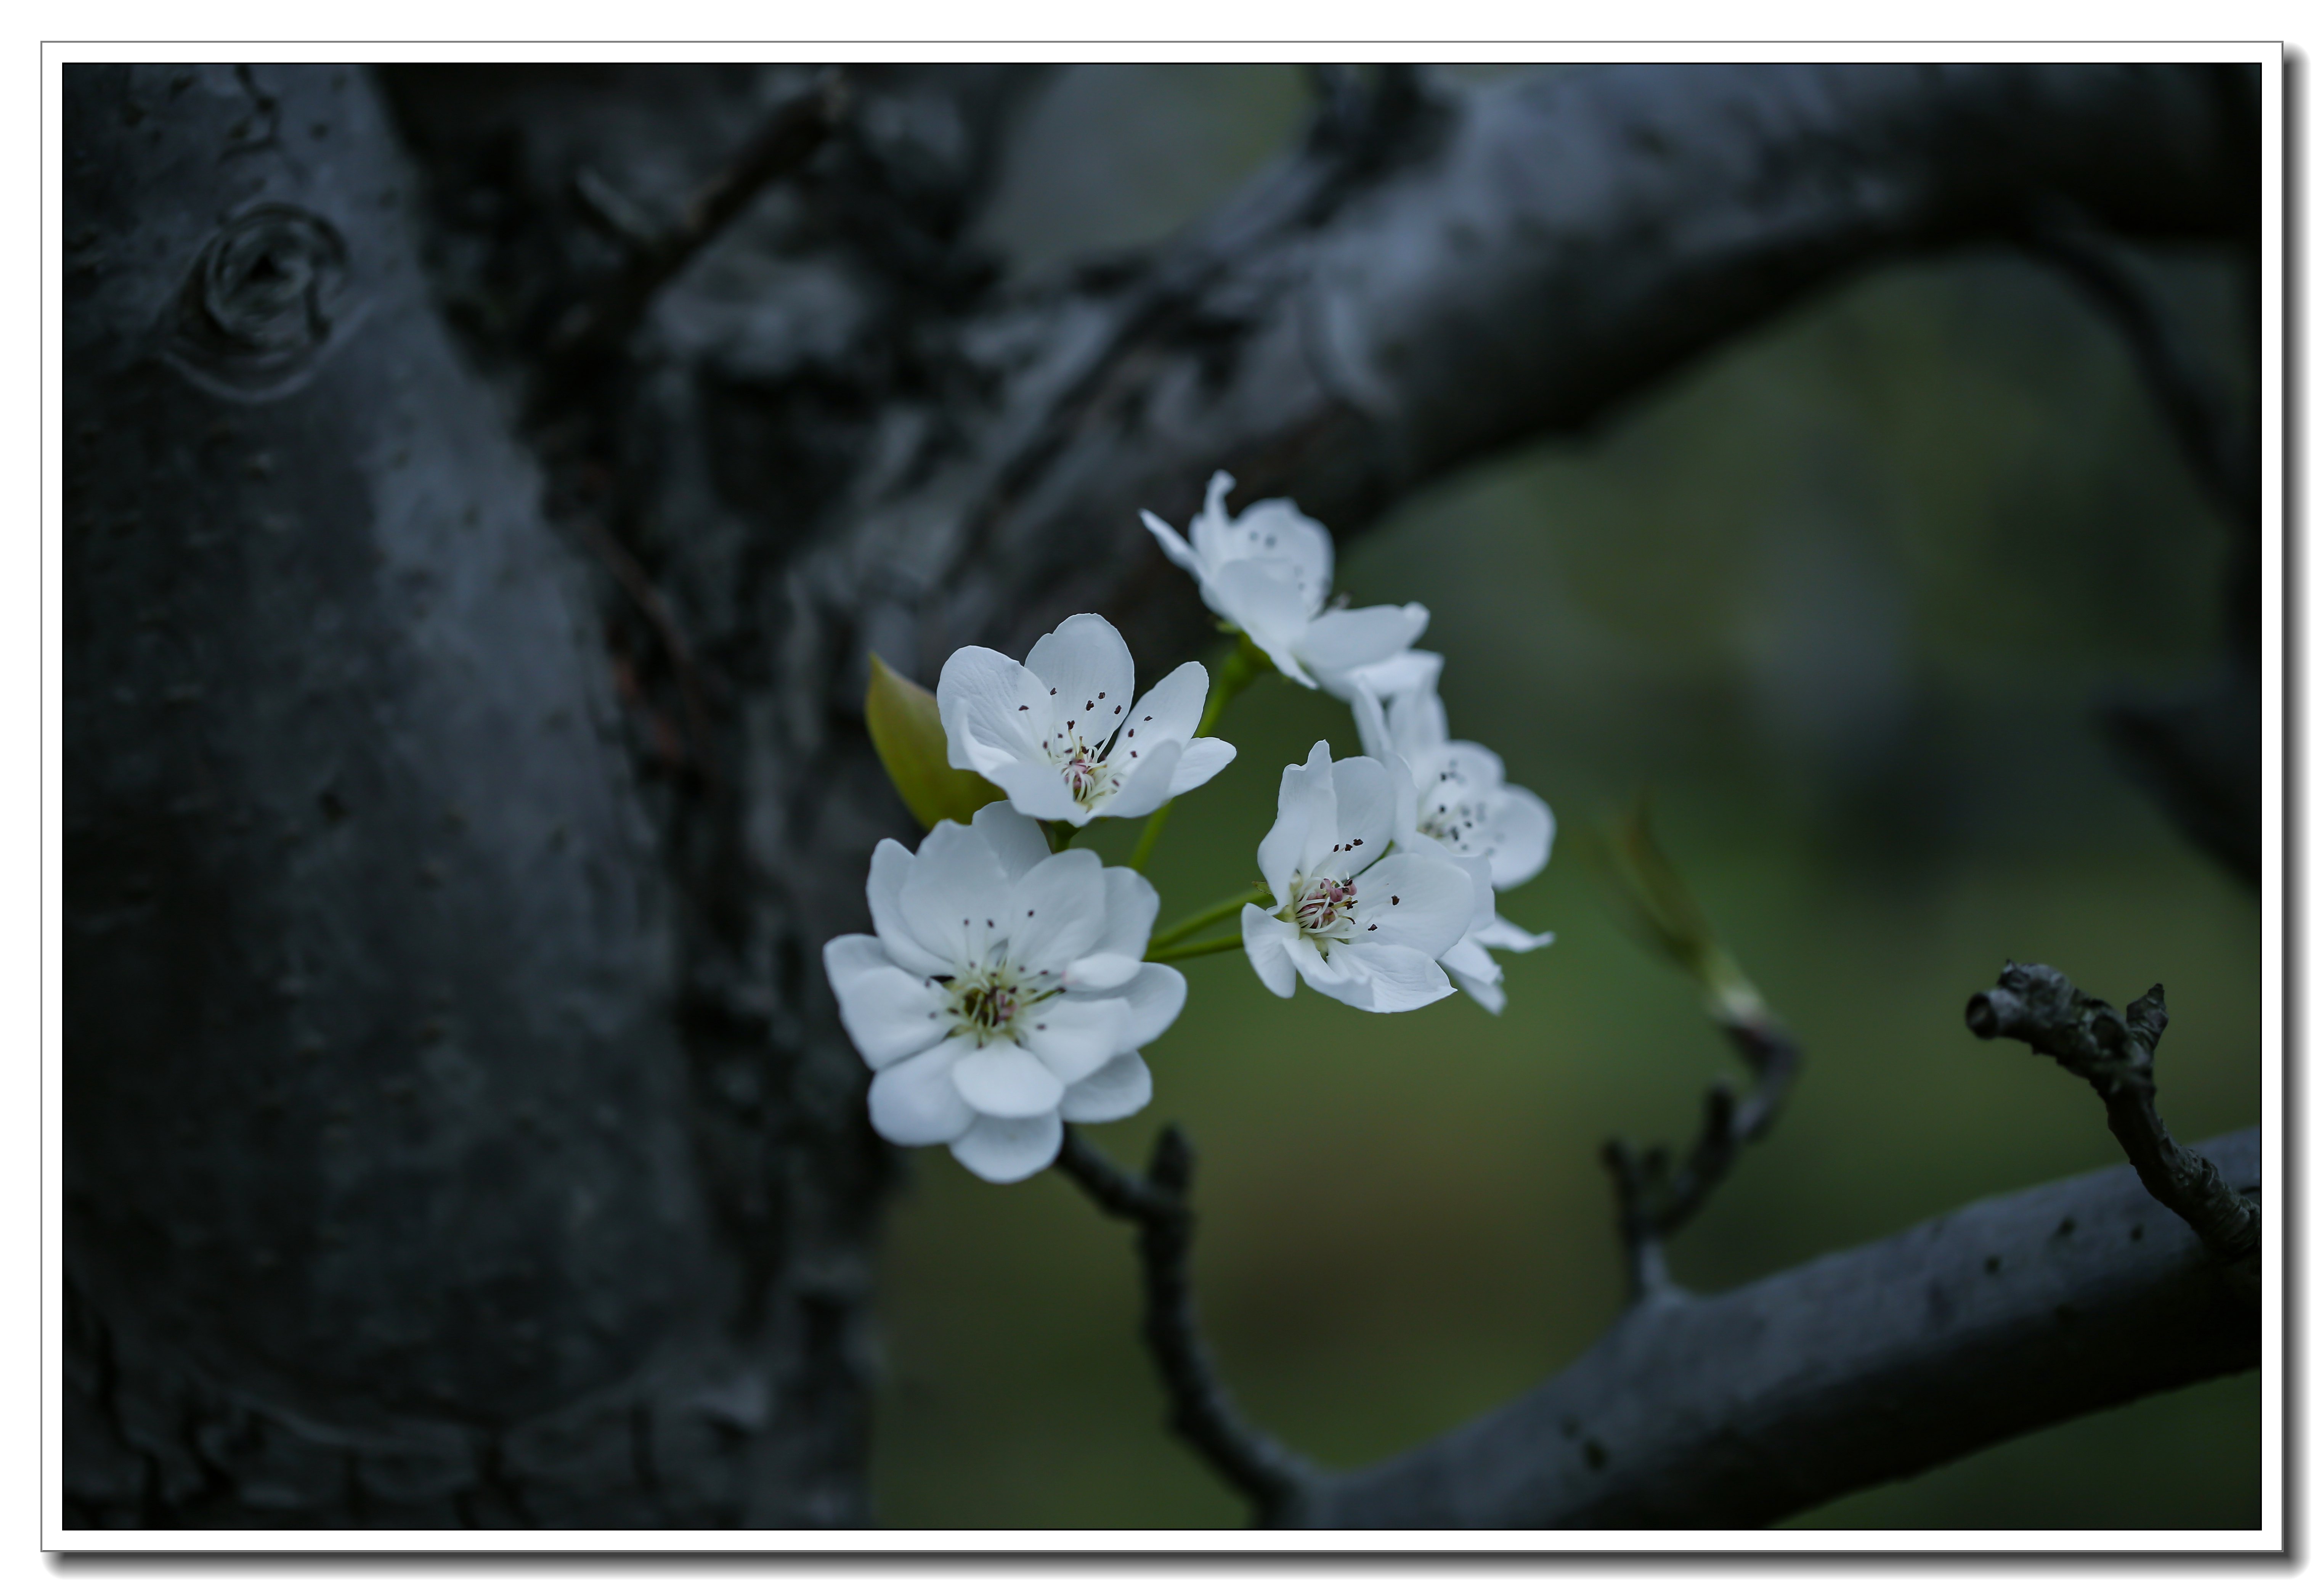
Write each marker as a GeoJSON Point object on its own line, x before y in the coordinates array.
{"type": "Point", "coordinates": [1201, 1411]}
{"type": "Point", "coordinates": [1860, 1367]}
{"type": "Point", "coordinates": [1650, 897]}
{"type": "Point", "coordinates": [1522, 258]}
{"type": "Point", "coordinates": [790, 134]}
{"type": "Point", "coordinates": [1656, 1203]}
{"type": "Point", "coordinates": [2223, 454]}
{"type": "Point", "coordinates": [2115, 1052]}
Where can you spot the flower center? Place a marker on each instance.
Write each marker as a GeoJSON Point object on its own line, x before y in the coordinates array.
{"type": "Point", "coordinates": [990, 1003]}
{"type": "Point", "coordinates": [1451, 812]}
{"type": "Point", "coordinates": [1087, 778]}
{"type": "Point", "coordinates": [1325, 907]}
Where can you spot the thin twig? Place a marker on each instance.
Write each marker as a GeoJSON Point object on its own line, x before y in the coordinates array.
{"type": "Point", "coordinates": [2223, 454]}
{"type": "Point", "coordinates": [1201, 1411]}
{"type": "Point", "coordinates": [2115, 1050]}
{"type": "Point", "coordinates": [1656, 1202]}
{"type": "Point", "coordinates": [783, 142]}
{"type": "Point", "coordinates": [1651, 899]}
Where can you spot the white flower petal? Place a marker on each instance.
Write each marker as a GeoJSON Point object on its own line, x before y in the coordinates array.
{"type": "Point", "coordinates": [1073, 1037]}
{"type": "Point", "coordinates": [985, 702]}
{"type": "Point", "coordinates": [1475, 973]}
{"type": "Point", "coordinates": [1422, 903]}
{"type": "Point", "coordinates": [1200, 761]}
{"type": "Point", "coordinates": [1467, 960]}
{"type": "Point", "coordinates": [1267, 607]}
{"type": "Point", "coordinates": [1149, 771]}
{"type": "Point", "coordinates": [1005, 1150]}
{"type": "Point", "coordinates": [889, 1014]}
{"type": "Point", "coordinates": [1155, 998]}
{"type": "Point", "coordinates": [1505, 936]}
{"type": "Point", "coordinates": [915, 1102]}
{"type": "Point", "coordinates": [1274, 530]}
{"type": "Point", "coordinates": [1364, 814]}
{"type": "Point", "coordinates": [1130, 904]}
{"type": "Point", "coordinates": [1416, 716]}
{"type": "Point", "coordinates": [1173, 545]}
{"type": "Point", "coordinates": [1267, 940]}
{"type": "Point", "coordinates": [1372, 721]}
{"type": "Point", "coordinates": [1393, 678]}
{"type": "Point", "coordinates": [1339, 978]}
{"type": "Point", "coordinates": [891, 865]}
{"type": "Point", "coordinates": [1479, 766]}
{"type": "Point", "coordinates": [1087, 664]}
{"type": "Point", "coordinates": [1101, 971]}
{"type": "Point", "coordinates": [1115, 1090]}
{"type": "Point", "coordinates": [1017, 842]}
{"type": "Point", "coordinates": [1057, 912]}
{"type": "Point", "coordinates": [1171, 710]}
{"type": "Point", "coordinates": [954, 894]}
{"type": "Point", "coordinates": [1004, 1081]}
{"type": "Point", "coordinates": [848, 957]}
{"type": "Point", "coordinates": [1211, 525]}
{"type": "Point", "coordinates": [1038, 791]}
{"type": "Point", "coordinates": [1516, 834]}
{"type": "Point", "coordinates": [1343, 640]}
{"type": "Point", "coordinates": [1389, 978]}
{"type": "Point", "coordinates": [1305, 816]}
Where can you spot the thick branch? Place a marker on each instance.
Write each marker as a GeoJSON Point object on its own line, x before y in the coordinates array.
{"type": "Point", "coordinates": [1857, 1369]}
{"type": "Point", "coordinates": [2115, 1052]}
{"type": "Point", "coordinates": [1201, 1410]}
{"type": "Point", "coordinates": [1534, 253]}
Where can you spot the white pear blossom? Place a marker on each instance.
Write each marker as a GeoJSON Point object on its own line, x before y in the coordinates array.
{"type": "Point", "coordinates": [1268, 571]}
{"type": "Point", "coordinates": [1502, 833]}
{"type": "Point", "coordinates": [1360, 919]}
{"type": "Point", "coordinates": [1002, 993]}
{"type": "Point", "coordinates": [1060, 734]}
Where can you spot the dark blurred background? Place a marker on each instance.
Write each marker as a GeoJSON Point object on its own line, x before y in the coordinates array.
{"type": "Point", "coordinates": [1842, 598]}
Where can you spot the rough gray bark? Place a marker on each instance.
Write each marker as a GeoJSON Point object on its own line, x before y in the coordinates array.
{"type": "Point", "coordinates": [464, 767]}
{"type": "Point", "coordinates": [1744, 1408]}
{"type": "Point", "coordinates": [389, 1196]}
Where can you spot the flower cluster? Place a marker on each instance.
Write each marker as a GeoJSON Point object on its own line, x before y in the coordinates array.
{"type": "Point", "coordinates": [1012, 979]}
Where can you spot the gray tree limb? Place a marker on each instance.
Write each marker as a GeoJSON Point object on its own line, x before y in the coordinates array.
{"type": "Point", "coordinates": [1860, 1368]}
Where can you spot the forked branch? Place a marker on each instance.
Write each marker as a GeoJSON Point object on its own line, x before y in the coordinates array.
{"type": "Point", "coordinates": [2115, 1052]}
{"type": "Point", "coordinates": [1657, 1200]}
{"type": "Point", "coordinates": [1201, 1411]}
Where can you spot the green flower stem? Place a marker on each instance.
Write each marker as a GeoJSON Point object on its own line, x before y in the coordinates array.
{"type": "Point", "coordinates": [1210, 916]}
{"type": "Point", "coordinates": [1236, 671]}
{"type": "Point", "coordinates": [1201, 948]}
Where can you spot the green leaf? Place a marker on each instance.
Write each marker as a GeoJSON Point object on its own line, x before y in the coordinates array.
{"type": "Point", "coordinates": [910, 741]}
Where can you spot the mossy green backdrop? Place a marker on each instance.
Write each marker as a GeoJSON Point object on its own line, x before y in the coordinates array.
{"type": "Point", "coordinates": [1841, 596]}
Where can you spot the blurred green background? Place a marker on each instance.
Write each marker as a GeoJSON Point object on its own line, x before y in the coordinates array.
{"type": "Point", "coordinates": [1840, 596]}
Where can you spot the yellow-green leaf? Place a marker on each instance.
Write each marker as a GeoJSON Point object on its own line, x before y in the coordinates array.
{"type": "Point", "coordinates": [910, 741]}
